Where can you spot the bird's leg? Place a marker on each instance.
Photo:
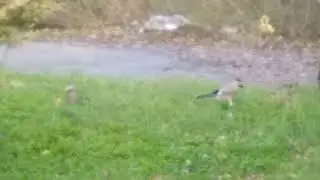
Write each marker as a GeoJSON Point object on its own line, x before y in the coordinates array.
{"type": "Point", "coordinates": [230, 102]}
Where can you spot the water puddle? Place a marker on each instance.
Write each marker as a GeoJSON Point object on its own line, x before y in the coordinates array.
{"type": "Point", "coordinates": [148, 61]}
{"type": "Point", "coordinates": [117, 61]}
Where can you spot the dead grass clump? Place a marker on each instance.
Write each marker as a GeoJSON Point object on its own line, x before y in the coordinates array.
{"type": "Point", "coordinates": [18, 15]}
{"type": "Point", "coordinates": [99, 13]}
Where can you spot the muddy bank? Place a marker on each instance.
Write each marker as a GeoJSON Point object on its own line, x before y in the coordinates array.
{"type": "Point", "coordinates": [141, 60]}
{"type": "Point", "coordinates": [256, 65]}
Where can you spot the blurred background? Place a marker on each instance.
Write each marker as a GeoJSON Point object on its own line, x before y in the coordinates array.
{"type": "Point", "coordinates": [291, 18]}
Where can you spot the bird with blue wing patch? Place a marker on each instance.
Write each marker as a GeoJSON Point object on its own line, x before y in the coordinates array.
{"type": "Point", "coordinates": [226, 92]}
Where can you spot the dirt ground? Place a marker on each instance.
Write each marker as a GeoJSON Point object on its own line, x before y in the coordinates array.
{"type": "Point", "coordinates": [272, 64]}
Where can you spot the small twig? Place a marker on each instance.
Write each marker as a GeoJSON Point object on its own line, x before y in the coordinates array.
{"type": "Point", "coordinates": [307, 16]}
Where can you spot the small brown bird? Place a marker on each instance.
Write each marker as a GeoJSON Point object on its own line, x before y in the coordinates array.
{"type": "Point", "coordinates": [225, 93]}
{"type": "Point", "coordinates": [71, 94]}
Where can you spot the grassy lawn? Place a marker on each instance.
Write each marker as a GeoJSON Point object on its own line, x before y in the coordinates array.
{"type": "Point", "coordinates": [126, 129]}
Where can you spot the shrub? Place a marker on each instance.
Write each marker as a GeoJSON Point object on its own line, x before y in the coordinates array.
{"type": "Point", "coordinates": [22, 14]}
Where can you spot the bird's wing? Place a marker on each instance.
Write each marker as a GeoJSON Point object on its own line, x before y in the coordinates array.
{"type": "Point", "coordinates": [229, 88]}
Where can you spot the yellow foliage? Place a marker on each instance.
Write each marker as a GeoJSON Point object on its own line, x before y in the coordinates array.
{"type": "Point", "coordinates": [265, 27]}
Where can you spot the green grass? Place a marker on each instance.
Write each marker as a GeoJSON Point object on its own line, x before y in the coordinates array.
{"type": "Point", "coordinates": [136, 129]}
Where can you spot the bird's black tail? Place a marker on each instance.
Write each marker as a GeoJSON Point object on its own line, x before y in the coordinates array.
{"type": "Point", "coordinates": [215, 92]}
{"type": "Point", "coordinates": [204, 96]}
